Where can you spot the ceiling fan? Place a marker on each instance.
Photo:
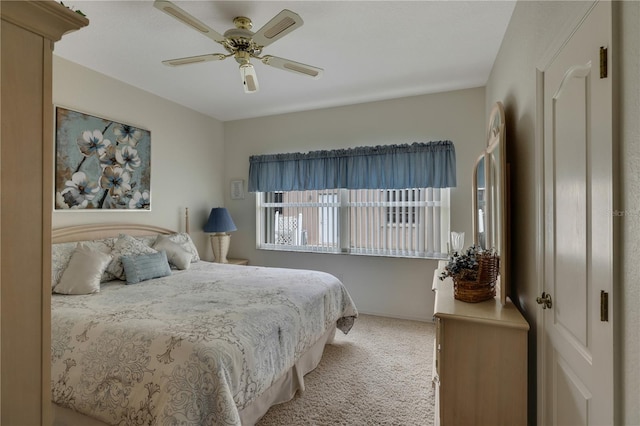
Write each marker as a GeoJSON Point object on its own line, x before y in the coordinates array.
{"type": "Point", "coordinates": [243, 44]}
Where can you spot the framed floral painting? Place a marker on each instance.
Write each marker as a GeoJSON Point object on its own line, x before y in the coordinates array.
{"type": "Point", "coordinates": [101, 164]}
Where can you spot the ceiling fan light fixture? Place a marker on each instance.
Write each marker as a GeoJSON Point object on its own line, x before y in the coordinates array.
{"type": "Point", "coordinates": [249, 78]}
{"type": "Point", "coordinates": [243, 44]}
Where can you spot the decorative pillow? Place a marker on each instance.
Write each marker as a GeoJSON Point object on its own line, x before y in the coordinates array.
{"type": "Point", "coordinates": [186, 242]}
{"type": "Point", "coordinates": [145, 267]}
{"type": "Point", "coordinates": [61, 255]}
{"type": "Point", "coordinates": [82, 275]}
{"type": "Point", "coordinates": [148, 240]}
{"type": "Point", "coordinates": [125, 245]}
{"type": "Point", "coordinates": [177, 255]}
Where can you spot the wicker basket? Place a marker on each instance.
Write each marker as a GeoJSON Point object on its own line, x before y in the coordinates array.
{"type": "Point", "coordinates": [483, 287]}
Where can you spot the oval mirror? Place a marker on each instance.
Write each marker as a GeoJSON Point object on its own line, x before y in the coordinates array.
{"type": "Point", "coordinates": [490, 198]}
{"type": "Point", "coordinates": [479, 205]}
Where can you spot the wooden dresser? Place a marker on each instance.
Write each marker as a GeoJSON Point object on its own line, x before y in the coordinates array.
{"type": "Point", "coordinates": [480, 362]}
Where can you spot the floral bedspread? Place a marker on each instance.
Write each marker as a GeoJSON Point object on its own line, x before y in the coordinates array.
{"type": "Point", "coordinates": [190, 349]}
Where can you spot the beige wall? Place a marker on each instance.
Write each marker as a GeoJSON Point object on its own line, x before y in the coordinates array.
{"type": "Point", "coordinates": [533, 29]}
{"type": "Point", "coordinates": [195, 157]}
{"type": "Point", "coordinates": [187, 150]}
{"type": "Point", "coordinates": [387, 286]}
{"type": "Point", "coordinates": [192, 167]}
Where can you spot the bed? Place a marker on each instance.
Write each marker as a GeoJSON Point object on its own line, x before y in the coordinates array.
{"type": "Point", "coordinates": [206, 344]}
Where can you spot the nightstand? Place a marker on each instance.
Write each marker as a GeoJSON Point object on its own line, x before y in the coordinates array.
{"type": "Point", "coordinates": [238, 261]}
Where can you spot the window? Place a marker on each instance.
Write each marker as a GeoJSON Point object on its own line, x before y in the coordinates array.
{"type": "Point", "coordinates": [378, 222]}
{"type": "Point", "coordinates": [298, 209]}
{"type": "Point", "coordinates": [396, 212]}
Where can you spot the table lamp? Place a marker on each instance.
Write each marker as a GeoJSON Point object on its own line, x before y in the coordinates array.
{"type": "Point", "coordinates": [219, 224]}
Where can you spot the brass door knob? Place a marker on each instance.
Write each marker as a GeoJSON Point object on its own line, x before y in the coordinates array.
{"type": "Point", "coordinates": [544, 300]}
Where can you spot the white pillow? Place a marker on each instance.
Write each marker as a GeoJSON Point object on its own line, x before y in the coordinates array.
{"type": "Point", "coordinates": [61, 255]}
{"type": "Point", "coordinates": [126, 245]}
{"type": "Point", "coordinates": [84, 271]}
{"type": "Point", "coordinates": [177, 256]}
{"type": "Point", "coordinates": [148, 240]}
{"type": "Point", "coordinates": [183, 239]}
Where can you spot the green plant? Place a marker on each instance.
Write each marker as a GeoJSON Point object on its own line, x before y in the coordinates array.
{"type": "Point", "coordinates": [79, 12]}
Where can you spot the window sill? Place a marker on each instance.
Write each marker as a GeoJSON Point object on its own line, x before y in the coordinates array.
{"type": "Point", "coordinates": [291, 249]}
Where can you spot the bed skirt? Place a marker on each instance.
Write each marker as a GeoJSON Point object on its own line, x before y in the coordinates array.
{"type": "Point", "coordinates": [281, 391]}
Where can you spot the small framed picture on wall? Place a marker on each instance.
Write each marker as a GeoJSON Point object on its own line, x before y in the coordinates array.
{"type": "Point", "coordinates": [237, 189]}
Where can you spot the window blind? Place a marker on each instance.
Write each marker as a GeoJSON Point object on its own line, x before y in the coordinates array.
{"type": "Point", "coordinates": [401, 223]}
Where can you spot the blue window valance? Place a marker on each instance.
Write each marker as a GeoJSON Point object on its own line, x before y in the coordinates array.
{"type": "Point", "coordinates": [417, 165]}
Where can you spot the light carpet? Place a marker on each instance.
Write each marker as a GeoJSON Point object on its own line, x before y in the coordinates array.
{"type": "Point", "coordinates": [378, 374]}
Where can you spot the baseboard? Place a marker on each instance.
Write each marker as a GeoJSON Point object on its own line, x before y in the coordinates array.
{"type": "Point", "coordinates": [403, 317]}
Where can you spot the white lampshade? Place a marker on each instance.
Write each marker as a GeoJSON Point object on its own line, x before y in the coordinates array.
{"type": "Point", "coordinates": [249, 78]}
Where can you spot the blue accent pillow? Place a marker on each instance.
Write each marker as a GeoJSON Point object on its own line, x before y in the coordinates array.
{"type": "Point", "coordinates": [145, 267]}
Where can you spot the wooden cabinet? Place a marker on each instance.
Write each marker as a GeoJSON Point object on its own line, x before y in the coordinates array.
{"type": "Point", "coordinates": [238, 261]}
{"type": "Point", "coordinates": [480, 373]}
{"type": "Point", "coordinates": [28, 32]}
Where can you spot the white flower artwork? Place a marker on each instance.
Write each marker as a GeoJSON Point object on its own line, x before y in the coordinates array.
{"type": "Point", "coordinates": [101, 164]}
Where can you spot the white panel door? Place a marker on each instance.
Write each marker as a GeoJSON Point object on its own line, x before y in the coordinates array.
{"type": "Point", "coordinates": [577, 363]}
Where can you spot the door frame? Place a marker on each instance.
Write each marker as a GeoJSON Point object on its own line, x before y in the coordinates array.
{"type": "Point", "coordinates": [542, 66]}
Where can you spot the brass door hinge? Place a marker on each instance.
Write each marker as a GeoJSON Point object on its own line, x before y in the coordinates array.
{"type": "Point", "coordinates": [603, 62]}
{"type": "Point", "coordinates": [604, 306]}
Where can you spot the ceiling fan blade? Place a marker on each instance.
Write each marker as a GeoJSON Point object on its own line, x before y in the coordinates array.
{"type": "Point", "coordinates": [279, 26]}
{"type": "Point", "coordinates": [184, 17]}
{"type": "Point", "coordinates": [293, 66]}
{"type": "Point", "coordinates": [194, 59]}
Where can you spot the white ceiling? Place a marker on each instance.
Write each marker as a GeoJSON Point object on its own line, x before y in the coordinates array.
{"type": "Point", "coordinates": [370, 50]}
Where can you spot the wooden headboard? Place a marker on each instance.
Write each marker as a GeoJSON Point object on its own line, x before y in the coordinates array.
{"type": "Point", "coordinates": [100, 231]}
